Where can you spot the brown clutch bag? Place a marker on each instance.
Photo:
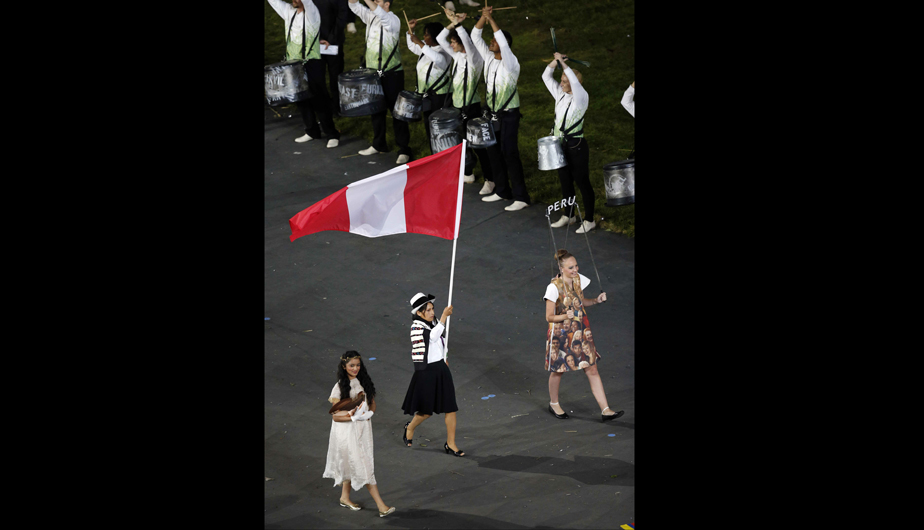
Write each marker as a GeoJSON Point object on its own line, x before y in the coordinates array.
{"type": "Point", "coordinates": [347, 403]}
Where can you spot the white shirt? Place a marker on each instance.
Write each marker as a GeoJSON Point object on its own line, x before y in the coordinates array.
{"type": "Point", "coordinates": [500, 75]}
{"type": "Point", "coordinates": [434, 56]}
{"type": "Point", "coordinates": [551, 292]}
{"type": "Point", "coordinates": [378, 21]}
{"type": "Point", "coordinates": [467, 66]}
{"type": "Point", "coordinates": [628, 100]}
{"type": "Point", "coordinates": [575, 103]}
{"type": "Point", "coordinates": [304, 29]}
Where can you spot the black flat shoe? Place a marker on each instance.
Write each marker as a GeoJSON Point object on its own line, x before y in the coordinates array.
{"type": "Point", "coordinates": [611, 416]}
{"type": "Point", "coordinates": [563, 416]}
{"type": "Point", "coordinates": [451, 452]}
{"type": "Point", "coordinates": [406, 441]}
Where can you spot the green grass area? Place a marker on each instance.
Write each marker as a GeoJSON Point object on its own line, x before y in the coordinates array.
{"type": "Point", "coordinates": [601, 32]}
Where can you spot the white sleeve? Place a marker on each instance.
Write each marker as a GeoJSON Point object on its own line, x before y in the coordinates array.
{"type": "Point", "coordinates": [364, 14]}
{"type": "Point", "coordinates": [510, 60]}
{"type": "Point", "coordinates": [477, 59]}
{"type": "Point", "coordinates": [628, 100]}
{"type": "Point", "coordinates": [438, 59]}
{"type": "Point", "coordinates": [585, 281]}
{"type": "Point", "coordinates": [443, 40]}
{"type": "Point", "coordinates": [480, 45]}
{"type": "Point", "coordinates": [335, 393]}
{"type": "Point", "coordinates": [554, 88]}
{"type": "Point", "coordinates": [283, 8]}
{"type": "Point", "coordinates": [390, 23]}
{"type": "Point", "coordinates": [581, 98]}
{"type": "Point", "coordinates": [411, 45]}
{"type": "Point", "coordinates": [551, 293]}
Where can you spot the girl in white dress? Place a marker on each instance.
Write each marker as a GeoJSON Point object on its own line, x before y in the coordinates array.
{"type": "Point", "coordinates": [349, 452]}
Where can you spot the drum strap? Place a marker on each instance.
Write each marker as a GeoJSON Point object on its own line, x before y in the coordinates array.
{"type": "Point", "coordinates": [494, 98]}
{"type": "Point", "coordinates": [305, 51]}
{"type": "Point", "coordinates": [567, 133]}
{"type": "Point", "coordinates": [393, 50]}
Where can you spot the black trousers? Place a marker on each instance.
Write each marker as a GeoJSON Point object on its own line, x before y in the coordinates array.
{"type": "Point", "coordinates": [392, 85]}
{"type": "Point", "coordinates": [577, 171]}
{"type": "Point", "coordinates": [473, 156]}
{"type": "Point", "coordinates": [334, 64]}
{"type": "Point", "coordinates": [506, 167]}
{"type": "Point", "coordinates": [318, 106]}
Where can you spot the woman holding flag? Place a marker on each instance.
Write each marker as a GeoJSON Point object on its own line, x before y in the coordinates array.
{"type": "Point", "coordinates": [431, 390]}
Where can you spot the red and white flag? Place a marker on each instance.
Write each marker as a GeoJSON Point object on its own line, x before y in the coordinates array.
{"type": "Point", "coordinates": [421, 197]}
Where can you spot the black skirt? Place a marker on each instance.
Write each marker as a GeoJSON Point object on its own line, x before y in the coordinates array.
{"type": "Point", "coordinates": [431, 391]}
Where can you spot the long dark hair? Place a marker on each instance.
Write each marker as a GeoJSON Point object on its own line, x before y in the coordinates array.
{"type": "Point", "coordinates": [343, 378]}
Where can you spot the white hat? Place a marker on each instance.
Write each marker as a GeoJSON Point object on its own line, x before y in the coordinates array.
{"type": "Point", "coordinates": [420, 300]}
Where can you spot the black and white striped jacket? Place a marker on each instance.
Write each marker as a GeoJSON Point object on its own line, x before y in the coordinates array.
{"type": "Point", "coordinates": [423, 340]}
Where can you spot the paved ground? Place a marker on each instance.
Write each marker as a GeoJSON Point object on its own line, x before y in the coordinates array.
{"type": "Point", "coordinates": [333, 291]}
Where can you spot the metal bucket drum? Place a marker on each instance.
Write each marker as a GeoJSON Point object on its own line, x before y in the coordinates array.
{"type": "Point", "coordinates": [361, 93]}
{"type": "Point", "coordinates": [619, 180]}
{"type": "Point", "coordinates": [445, 129]}
{"type": "Point", "coordinates": [408, 106]}
{"type": "Point", "coordinates": [480, 133]}
{"type": "Point", "coordinates": [286, 83]}
{"type": "Point", "coordinates": [551, 155]}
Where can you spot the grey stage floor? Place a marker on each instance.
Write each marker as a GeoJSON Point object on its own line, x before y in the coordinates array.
{"type": "Point", "coordinates": [333, 291]}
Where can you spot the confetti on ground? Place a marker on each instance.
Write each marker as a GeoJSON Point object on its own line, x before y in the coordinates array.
{"type": "Point", "coordinates": [266, 318]}
{"type": "Point", "coordinates": [570, 431]}
{"type": "Point", "coordinates": [519, 415]}
{"type": "Point", "coordinates": [268, 479]}
{"type": "Point", "coordinates": [611, 435]}
{"type": "Point", "coordinates": [371, 358]}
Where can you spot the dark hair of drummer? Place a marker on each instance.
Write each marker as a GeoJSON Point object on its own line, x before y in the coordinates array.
{"type": "Point", "coordinates": [431, 30]}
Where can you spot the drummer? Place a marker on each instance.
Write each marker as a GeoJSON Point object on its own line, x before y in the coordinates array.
{"type": "Point", "coordinates": [303, 42]}
{"type": "Point", "coordinates": [466, 73]}
{"type": "Point", "coordinates": [571, 102]}
{"type": "Point", "coordinates": [432, 69]}
{"type": "Point", "coordinates": [382, 30]}
{"type": "Point", "coordinates": [501, 71]}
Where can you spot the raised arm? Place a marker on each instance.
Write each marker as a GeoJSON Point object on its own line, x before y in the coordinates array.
{"type": "Point", "coordinates": [580, 95]}
{"type": "Point", "coordinates": [413, 42]}
{"type": "Point", "coordinates": [480, 45]}
{"type": "Point", "coordinates": [284, 9]}
{"type": "Point", "coordinates": [554, 88]}
{"type": "Point", "coordinates": [475, 57]}
{"type": "Point", "coordinates": [364, 14]}
{"type": "Point", "coordinates": [628, 99]}
{"type": "Point", "coordinates": [510, 60]}
{"type": "Point", "coordinates": [443, 40]}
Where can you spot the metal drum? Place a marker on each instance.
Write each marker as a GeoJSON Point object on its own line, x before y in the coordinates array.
{"type": "Point", "coordinates": [286, 83]}
{"type": "Point", "coordinates": [445, 129]}
{"type": "Point", "coordinates": [480, 133]}
{"type": "Point", "coordinates": [361, 93]}
{"type": "Point", "coordinates": [619, 180]}
{"type": "Point", "coordinates": [408, 106]}
{"type": "Point", "coordinates": [551, 155]}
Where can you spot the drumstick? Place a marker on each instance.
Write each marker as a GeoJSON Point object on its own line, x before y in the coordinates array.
{"type": "Point", "coordinates": [405, 20]}
{"type": "Point", "coordinates": [428, 16]}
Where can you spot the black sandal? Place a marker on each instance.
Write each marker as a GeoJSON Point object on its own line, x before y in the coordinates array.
{"type": "Point", "coordinates": [451, 452]}
{"type": "Point", "coordinates": [406, 441]}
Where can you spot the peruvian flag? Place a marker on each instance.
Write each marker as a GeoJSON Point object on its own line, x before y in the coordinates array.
{"type": "Point", "coordinates": [420, 197]}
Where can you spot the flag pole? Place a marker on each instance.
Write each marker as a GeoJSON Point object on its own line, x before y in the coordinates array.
{"type": "Point", "coordinates": [455, 239]}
